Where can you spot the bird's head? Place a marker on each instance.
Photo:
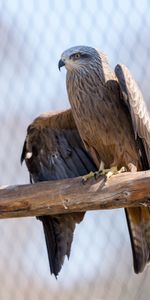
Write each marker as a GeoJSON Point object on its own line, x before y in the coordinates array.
{"type": "Point", "coordinates": [78, 57]}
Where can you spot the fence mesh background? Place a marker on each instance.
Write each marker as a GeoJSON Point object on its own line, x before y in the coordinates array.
{"type": "Point", "coordinates": [32, 36]}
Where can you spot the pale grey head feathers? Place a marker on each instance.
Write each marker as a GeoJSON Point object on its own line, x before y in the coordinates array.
{"type": "Point", "coordinates": [79, 56]}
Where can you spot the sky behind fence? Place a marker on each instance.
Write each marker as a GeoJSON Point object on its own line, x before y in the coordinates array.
{"type": "Point", "coordinates": [33, 34]}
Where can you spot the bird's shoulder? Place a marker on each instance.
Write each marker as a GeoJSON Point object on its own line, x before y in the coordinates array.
{"type": "Point", "coordinates": [53, 148]}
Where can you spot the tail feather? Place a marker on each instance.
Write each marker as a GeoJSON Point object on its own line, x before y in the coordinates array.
{"type": "Point", "coordinates": [138, 220]}
{"type": "Point", "coordinates": [58, 232]}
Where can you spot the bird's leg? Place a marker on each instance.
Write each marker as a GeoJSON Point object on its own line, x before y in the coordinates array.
{"type": "Point", "coordinates": [88, 176]}
{"type": "Point", "coordinates": [112, 171]}
{"type": "Point", "coordinates": [109, 172]}
{"type": "Point", "coordinates": [95, 174]}
{"type": "Point", "coordinates": [103, 172]}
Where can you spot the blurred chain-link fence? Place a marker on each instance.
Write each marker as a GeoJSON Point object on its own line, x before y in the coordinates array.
{"type": "Point", "coordinates": [32, 36]}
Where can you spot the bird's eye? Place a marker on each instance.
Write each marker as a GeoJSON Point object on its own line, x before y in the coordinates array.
{"type": "Point", "coordinates": [77, 55]}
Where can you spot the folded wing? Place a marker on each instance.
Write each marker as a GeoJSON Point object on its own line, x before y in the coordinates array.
{"type": "Point", "coordinates": [53, 150]}
{"type": "Point", "coordinates": [138, 218]}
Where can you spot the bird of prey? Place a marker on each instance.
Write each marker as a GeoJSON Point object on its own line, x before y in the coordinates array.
{"type": "Point", "coordinates": [54, 150]}
{"type": "Point", "coordinates": [114, 125]}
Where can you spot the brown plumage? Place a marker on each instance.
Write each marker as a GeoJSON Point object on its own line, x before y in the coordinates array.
{"type": "Point", "coordinates": [114, 125]}
{"type": "Point", "coordinates": [54, 150]}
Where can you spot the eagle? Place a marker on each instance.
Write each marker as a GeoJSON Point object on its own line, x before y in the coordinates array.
{"type": "Point", "coordinates": [114, 125]}
{"type": "Point", "coordinates": [53, 150]}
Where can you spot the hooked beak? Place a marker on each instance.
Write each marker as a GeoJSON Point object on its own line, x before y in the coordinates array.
{"type": "Point", "coordinates": [61, 64]}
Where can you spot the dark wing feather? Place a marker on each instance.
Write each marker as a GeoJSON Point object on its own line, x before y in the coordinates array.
{"type": "Point", "coordinates": [53, 150]}
{"type": "Point", "coordinates": [138, 218]}
{"type": "Point", "coordinates": [134, 100]}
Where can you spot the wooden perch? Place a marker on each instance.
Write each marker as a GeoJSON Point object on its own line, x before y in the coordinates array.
{"type": "Point", "coordinates": [71, 195]}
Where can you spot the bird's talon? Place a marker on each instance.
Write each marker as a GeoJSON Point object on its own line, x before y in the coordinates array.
{"type": "Point", "coordinates": [109, 174]}
{"type": "Point", "coordinates": [97, 174]}
{"type": "Point", "coordinates": [112, 171]}
{"type": "Point", "coordinates": [88, 176]}
{"type": "Point", "coordinates": [122, 170]}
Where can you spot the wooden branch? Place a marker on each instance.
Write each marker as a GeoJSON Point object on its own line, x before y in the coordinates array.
{"type": "Point", "coordinates": [71, 195]}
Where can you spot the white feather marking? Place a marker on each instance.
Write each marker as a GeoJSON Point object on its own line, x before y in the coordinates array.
{"type": "Point", "coordinates": [28, 155]}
